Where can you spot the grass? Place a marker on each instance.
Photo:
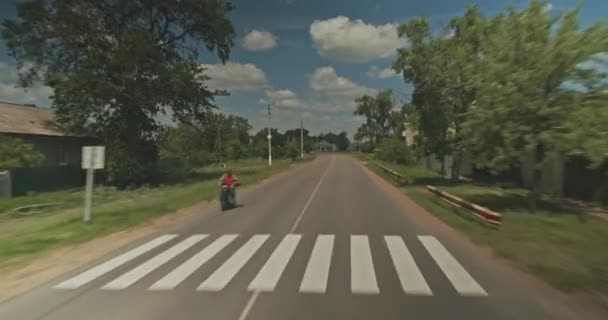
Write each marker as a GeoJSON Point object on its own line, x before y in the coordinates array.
{"type": "Point", "coordinates": [23, 237]}
{"type": "Point", "coordinates": [560, 245]}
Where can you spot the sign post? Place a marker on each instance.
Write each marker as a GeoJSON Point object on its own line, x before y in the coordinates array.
{"type": "Point", "coordinates": [93, 157]}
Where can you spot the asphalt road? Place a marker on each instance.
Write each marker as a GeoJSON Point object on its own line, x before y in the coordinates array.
{"type": "Point", "coordinates": [322, 242]}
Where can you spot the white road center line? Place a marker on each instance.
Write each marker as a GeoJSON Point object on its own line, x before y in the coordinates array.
{"type": "Point", "coordinates": [111, 264]}
{"type": "Point", "coordinates": [243, 315]}
{"type": "Point", "coordinates": [220, 278]}
{"type": "Point", "coordinates": [409, 274]}
{"type": "Point", "coordinates": [134, 275]}
{"type": "Point", "coordinates": [180, 274]}
{"type": "Point", "coordinates": [458, 276]}
{"type": "Point", "coordinates": [267, 278]}
{"type": "Point", "coordinates": [312, 195]}
{"type": "Point", "coordinates": [363, 277]}
{"type": "Point", "coordinates": [317, 270]}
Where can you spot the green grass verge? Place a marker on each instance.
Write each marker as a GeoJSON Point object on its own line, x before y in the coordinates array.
{"type": "Point", "coordinates": [562, 246]}
{"type": "Point", "coordinates": [24, 237]}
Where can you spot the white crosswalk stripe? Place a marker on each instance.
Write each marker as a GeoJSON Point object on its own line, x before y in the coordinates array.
{"type": "Point", "coordinates": [458, 276]}
{"type": "Point", "coordinates": [220, 278]}
{"type": "Point", "coordinates": [132, 276]}
{"type": "Point", "coordinates": [112, 264]}
{"type": "Point", "coordinates": [409, 274]}
{"type": "Point", "coordinates": [317, 271]}
{"type": "Point", "coordinates": [178, 275]}
{"type": "Point", "coordinates": [268, 277]}
{"type": "Point", "coordinates": [363, 277]}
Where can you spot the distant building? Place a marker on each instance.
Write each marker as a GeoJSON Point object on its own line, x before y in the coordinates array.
{"type": "Point", "coordinates": [36, 126]}
{"type": "Point", "coordinates": [325, 146]}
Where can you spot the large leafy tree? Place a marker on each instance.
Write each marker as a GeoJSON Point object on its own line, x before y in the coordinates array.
{"type": "Point", "coordinates": [530, 106]}
{"type": "Point", "coordinates": [116, 65]}
{"type": "Point", "coordinates": [377, 111]}
{"type": "Point", "coordinates": [444, 72]}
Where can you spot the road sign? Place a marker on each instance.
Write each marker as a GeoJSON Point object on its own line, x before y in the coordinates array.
{"type": "Point", "coordinates": [93, 157]}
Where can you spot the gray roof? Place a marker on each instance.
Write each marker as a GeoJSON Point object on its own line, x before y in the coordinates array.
{"type": "Point", "coordinates": [28, 119]}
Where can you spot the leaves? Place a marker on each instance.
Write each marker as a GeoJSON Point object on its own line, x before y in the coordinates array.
{"type": "Point", "coordinates": [14, 153]}
{"type": "Point", "coordinates": [115, 66]}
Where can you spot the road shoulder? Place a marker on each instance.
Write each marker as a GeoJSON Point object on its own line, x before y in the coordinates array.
{"type": "Point", "coordinates": [560, 305]}
{"type": "Point", "coordinates": [49, 265]}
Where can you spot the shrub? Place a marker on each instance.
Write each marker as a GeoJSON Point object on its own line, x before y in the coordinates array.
{"type": "Point", "coordinates": [394, 150]}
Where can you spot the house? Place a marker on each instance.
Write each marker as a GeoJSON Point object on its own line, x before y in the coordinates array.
{"type": "Point", "coordinates": [36, 126]}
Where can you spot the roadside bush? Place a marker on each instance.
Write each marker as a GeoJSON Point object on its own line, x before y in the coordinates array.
{"type": "Point", "coordinates": [394, 150]}
{"type": "Point", "coordinates": [293, 150]}
{"type": "Point", "coordinates": [14, 153]}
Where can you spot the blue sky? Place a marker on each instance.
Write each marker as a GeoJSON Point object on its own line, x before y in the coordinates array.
{"type": "Point", "coordinates": [309, 58]}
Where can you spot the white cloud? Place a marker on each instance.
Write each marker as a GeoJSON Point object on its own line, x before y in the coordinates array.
{"type": "Point", "coordinates": [234, 76]}
{"type": "Point", "coordinates": [548, 7]}
{"type": "Point", "coordinates": [326, 82]}
{"type": "Point", "coordinates": [9, 92]}
{"type": "Point", "coordinates": [376, 72]}
{"type": "Point", "coordinates": [341, 39]}
{"type": "Point", "coordinates": [259, 40]}
{"type": "Point", "coordinates": [282, 98]}
{"type": "Point", "coordinates": [332, 94]}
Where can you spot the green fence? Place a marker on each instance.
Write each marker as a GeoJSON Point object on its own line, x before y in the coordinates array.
{"type": "Point", "coordinates": [51, 178]}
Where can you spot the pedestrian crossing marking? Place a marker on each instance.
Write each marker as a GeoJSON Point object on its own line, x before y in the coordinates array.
{"type": "Point", "coordinates": [462, 281]}
{"type": "Point", "coordinates": [220, 278]}
{"type": "Point", "coordinates": [363, 277]}
{"type": "Point", "coordinates": [317, 270]}
{"type": "Point", "coordinates": [132, 276]}
{"type": "Point", "coordinates": [316, 275]}
{"type": "Point", "coordinates": [267, 278]}
{"type": "Point", "coordinates": [112, 264]}
{"type": "Point", "coordinates": [412, 280]}
{"type": "Point", "coordinates": [180, 274]}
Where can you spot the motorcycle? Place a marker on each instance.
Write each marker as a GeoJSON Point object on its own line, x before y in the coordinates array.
{"type": "Point", "coordinates": [227, 197]}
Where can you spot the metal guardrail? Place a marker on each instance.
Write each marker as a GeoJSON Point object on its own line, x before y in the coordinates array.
{"type": "Point", "coordinates": [483, 214]}
{"type": "Point", "coordinates": [399, 177]}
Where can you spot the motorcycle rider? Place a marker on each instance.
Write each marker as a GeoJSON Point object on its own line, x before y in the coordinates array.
{"type": "Point", "coordinates": [229, 179]}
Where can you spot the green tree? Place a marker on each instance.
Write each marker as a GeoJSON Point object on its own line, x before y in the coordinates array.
{"type": "Point", "coordinates": [116, 65]}
{"type": "Point", "coordinates": [14, 153]}
{"type": "Point", "coordinates": [395, 150]}
{"type": "Point", "coordinates": [528, 107]}
{"type": "Point", "coordinates": [444, 72]}
{"type": "Point", "coordinates": [293, 150]}
{"type": "Point", "coordinates": [377, 112]}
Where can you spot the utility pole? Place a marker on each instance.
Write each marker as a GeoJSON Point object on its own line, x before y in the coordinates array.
{"type": "Point", "coordinates": [219, 137]}
{"type": "Point", "coordinates": [269, 138]}
{"type": "Point", "coordinates": [302, 139]}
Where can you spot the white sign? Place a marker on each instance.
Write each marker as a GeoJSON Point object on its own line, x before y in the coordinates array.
{"type": "Point", "coordinates": [93, 157]}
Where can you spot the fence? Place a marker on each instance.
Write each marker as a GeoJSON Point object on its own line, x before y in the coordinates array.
{"type": "Point", "coordinates": [5, 184]}
{"type": "Point", "coordinates": [49, 178]}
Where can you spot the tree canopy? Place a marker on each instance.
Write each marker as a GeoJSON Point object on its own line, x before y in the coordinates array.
{"type": "Point", "coordinates": [513, 88]}
{"type": "Point", "coordinates": [116, 66]}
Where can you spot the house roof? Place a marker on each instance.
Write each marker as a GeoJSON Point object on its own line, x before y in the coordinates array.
{"type": "Point", "coordinates": [28, 119]}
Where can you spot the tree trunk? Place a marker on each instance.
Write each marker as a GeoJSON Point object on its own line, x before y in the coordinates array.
{"type": "Point", "coordinates": [534, 193]}
{"type": "Point", "coordinates": [455, 175]}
